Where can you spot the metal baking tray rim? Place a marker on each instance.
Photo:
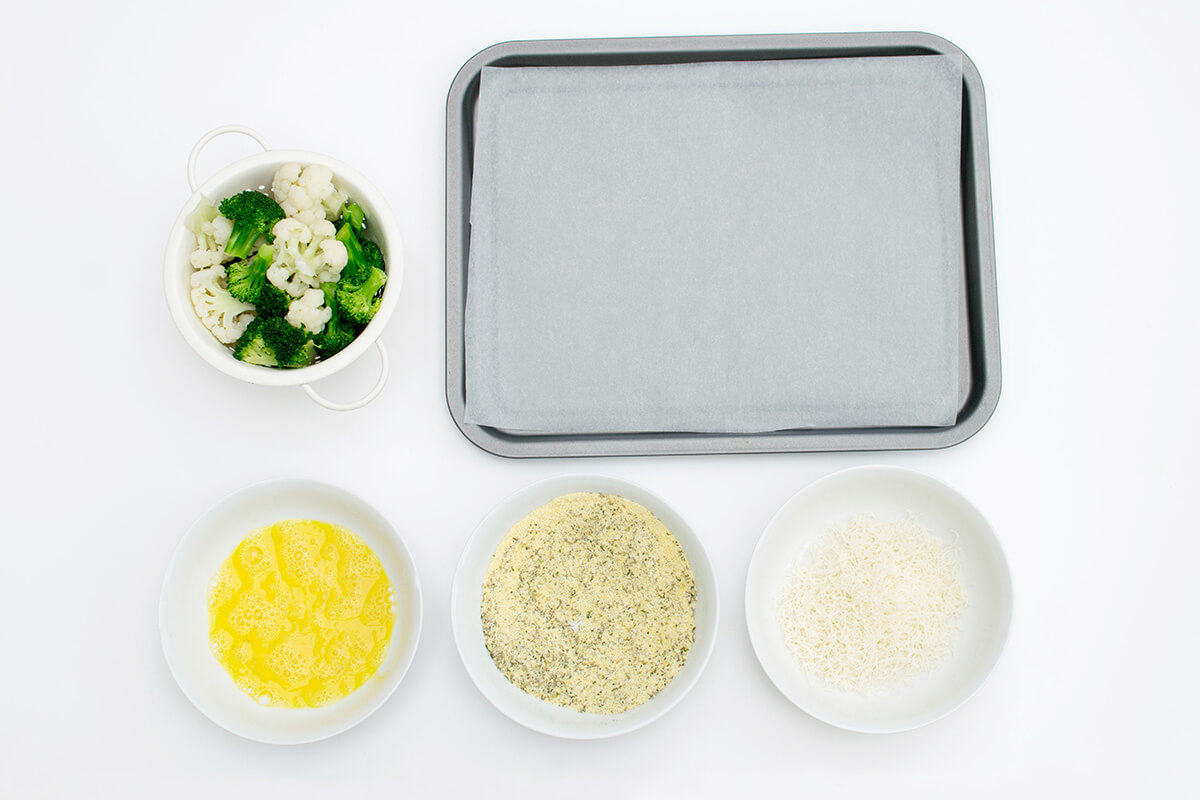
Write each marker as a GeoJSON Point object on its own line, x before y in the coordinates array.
{"type": "Point", "coordinates": [983, 322]}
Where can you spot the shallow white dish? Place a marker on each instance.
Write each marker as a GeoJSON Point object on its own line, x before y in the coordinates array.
{"type": "Point", "coordinates": [468, 630]}
{"type": "Point", "coordinates": [183, 615]}
{"type": "Point", "coordinates": [889, 493]}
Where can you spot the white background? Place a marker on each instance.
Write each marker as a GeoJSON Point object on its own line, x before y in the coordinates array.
{"type": "Point", "coordinates": [117, 436]}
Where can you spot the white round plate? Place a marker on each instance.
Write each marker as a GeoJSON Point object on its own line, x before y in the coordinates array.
{"type": "Point", "coordinates": [526, 709]}
{"type": "Point", "coordinates": [183, 613]}
{"type": "Point", "coordinates": [889, 493]}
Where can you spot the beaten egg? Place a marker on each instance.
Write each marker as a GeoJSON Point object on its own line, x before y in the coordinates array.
{"type": "Point", "coordinates": [300, 614]}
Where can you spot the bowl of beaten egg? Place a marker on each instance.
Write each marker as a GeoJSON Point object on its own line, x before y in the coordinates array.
{"type": "Point", "coordinates": [584, 607]}
{"type": "Point", "coordinates": [247, 654]}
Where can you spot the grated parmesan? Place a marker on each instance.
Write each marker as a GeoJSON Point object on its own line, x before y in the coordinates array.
{"type": "Point", "coordinates": [872, 604]}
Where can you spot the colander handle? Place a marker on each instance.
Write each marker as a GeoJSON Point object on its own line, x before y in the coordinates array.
{"type": "Point", "coordinates": [208, 137]}
{"type": "Point", "coordinates": [362, 401]}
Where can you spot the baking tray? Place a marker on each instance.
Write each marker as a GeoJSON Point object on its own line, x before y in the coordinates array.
{"type": "Point", "coordinates": [981, 333]}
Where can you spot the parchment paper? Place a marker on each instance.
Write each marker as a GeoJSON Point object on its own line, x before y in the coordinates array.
{"type": "Point", "coordinates": [729, 247]}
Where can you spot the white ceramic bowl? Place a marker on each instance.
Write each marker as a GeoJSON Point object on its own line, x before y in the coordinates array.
{"type": "Point", "coordinates": [183, 613]}
{"type": "Point", "coordinates": [468, 630]}
{"type": "Point", "coordinates": [251, 173]}
{"type": "Point", "coordinates": [889, 493]}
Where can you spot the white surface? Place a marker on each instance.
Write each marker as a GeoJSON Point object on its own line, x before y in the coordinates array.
{"type": "Point", "coordinates": [889, 493]}
{"type": "Point", "coordinates": [467, 595]}
{"type": "Point", "coordinates": [118, 437]}
{"type": "Point", "coordinates": [183, 616]}
{"type": "Point", "coordinates": [249, 173]}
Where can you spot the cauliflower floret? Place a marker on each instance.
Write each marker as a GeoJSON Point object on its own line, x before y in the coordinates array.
{"type": "Point", "coordinates": [291, 240]}
{"type": "Point", "coordinates": [292, 232]}
{"type": "Point", "coordinates": [211, 231]}
{"type": "Point", "coordinates": [336, 257]}
{"type": "Point", "coordinates": [284, 278]}
{"type": "Point", "coordinates": [225, 316]}
{"type": "Point", "coordinates": [199, 222]}
{"type": "Point", "coordinates": [305, 257]}
{"type": "Point", "coordinates": [333, 202]}
{"type": "Point", "coordinates": [331, 255]}
{"type": "Point", "coordinates": [284, 178]}
{"type": "Point", "coordinates": [221, 229]}
{"type": "Point", "coordinates": [323, 228]}
{"type": "Point", "coordinates": [318, 182]}
{"type": "Point", "coordinates": [309, 312]}
{"type": "Point", "coordinates": [311, 215]}
{"type": "Point", "coordinates": [307, 193]}
{"type": "Point", "coordinates": [202, 259]}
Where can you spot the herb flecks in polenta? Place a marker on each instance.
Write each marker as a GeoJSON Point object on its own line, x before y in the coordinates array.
{"type": "Point", "coordinates": [589, 603]}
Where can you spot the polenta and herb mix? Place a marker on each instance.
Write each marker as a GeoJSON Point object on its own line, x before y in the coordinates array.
{"type": "Point", "coordinates": [589, 603]}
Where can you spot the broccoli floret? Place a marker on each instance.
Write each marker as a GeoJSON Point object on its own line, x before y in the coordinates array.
{"type": "Point", "coordinates": [272, 302]}
{"type": "Point", "coordinates": [251, 348]}
{"type": "Point", "coordinates": [272, 342]}
{"type": "Point", "coordinates": [372, 255]}
{"type": "Point", "coordinates": [359, 303]}
{"type": "Point", "coordinates": [245, 278]}
{"type": "Point", "coordinates": [339, 331]}
{"type": "Point", "coordinates": [253, 215]}
{"type": "Point", "coordinates": [362, 255]}
{"type": "Point", "coordinates": [286, 343]}
{"type": "Point", "coordinates": [306, 355]}
{"type": "Point", "coordinates": [352, 215]}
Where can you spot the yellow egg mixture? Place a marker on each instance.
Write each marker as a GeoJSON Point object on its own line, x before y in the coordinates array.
{"type": "Point", "coordinates": [301, 614]}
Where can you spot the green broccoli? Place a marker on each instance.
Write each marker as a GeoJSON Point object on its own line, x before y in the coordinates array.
{"type": "Point", "coordinates": [251, 348]}
{"type": "Point", "coordinates": [362, 255]}
{"type": "Point", "coordinates": [306, 355]}
{"type": "Point", "coordinates": [372, 255]}
{"type": "Point", "coordinates": [355, 270]}
{"type": "Point", "coordinates": [272, 302]}
{"type": "Point", "coordinates": [339, 331]}
{"type": "Point", "coordinates": [359, 303]}
{"type": "Point", "coordinates": [352, 215]}
{"type": "Point", "coordinates": [245, 277]}
{"type": "Point", "coordinates": [253, 215]}
{"type": "Point", "coordinates": [286, 342]}
{"type": "Point", "coordinates": [272, 342]}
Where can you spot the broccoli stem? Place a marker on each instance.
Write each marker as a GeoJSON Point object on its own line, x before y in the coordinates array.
{"type": "Point", "coordinates": [242, 240]}
{"type": "Point", "coordinates": [355, 270]}
{"type": "Point", "coordinates": [352, 215]}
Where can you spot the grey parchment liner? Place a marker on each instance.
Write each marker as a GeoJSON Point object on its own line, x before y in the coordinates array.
{"type": "Point", "coordinates": [728, 247]}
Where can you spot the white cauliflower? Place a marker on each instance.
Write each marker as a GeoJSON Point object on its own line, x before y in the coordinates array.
{"type": "Point", "coordinates": [309, 312]}
{"type": "Point", "coordinates": [225, 316]}
{"type": "Point", "coordinates": [307, 194]}
{"type": "Point", "coordinates": [209, 227]}
{"type": "Point", "coordinates": [336, 257]}
{"type": "Point", "coordinates": [212, 232]}
{"type": "Point", "coordinates": [305, 256]}
{"type": "Point", "coordinates": [221, 229]}
{"type": "Point", "coordinates": [286, 279]}
{"type": "Point", "coordinates": [201, 259]}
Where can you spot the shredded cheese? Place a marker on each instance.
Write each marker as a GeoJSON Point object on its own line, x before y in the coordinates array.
{"type": "Point", "coordinates": [872, 604]}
